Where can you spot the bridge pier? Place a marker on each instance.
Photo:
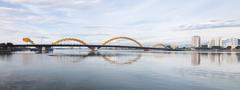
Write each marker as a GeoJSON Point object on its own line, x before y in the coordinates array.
{"type": "Point", "coordinates": [146, 49]}
{"type": "Point", "coordinates": [43, 49]}
{"type": "Point", "coordinates": [93, 48]}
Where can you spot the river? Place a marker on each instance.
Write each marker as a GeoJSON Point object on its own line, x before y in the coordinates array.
{"type": "Point", "coordinates": [120, 70]}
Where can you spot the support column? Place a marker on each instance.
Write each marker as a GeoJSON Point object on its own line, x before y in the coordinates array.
{"type": "Point", "coordinates": [43, 49]}
{"type": "Point", "coordinates": [39, 49]}
{"type": "Point", "coordinates": [93, 48]}
{"type": "Point", "coordinates": [146, 49]}
{"type": "Point", "coordinates": [47, 49]}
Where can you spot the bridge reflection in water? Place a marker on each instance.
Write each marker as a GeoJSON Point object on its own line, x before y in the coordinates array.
{"type": "Point", "coordinates": [124, 57]}
{"type": "Point", "coordinates": [135, 70]}
{"type": "Point", "coordinates": [112, 58]}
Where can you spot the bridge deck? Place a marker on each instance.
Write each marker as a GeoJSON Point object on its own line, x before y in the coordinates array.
{"type": "Point", "coordinates": [97, 46]}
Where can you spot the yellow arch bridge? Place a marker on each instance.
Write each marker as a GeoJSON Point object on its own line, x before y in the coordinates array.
{"type": "Point", "coordinates": [82, 43]}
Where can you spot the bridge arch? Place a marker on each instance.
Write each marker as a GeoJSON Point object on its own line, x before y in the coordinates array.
{"type": "Point", "coordinates": [159, 45]}
{"type": "Point", "coordinates": [125, 38]}
{"type": "Point", "coordinates": [69, 39]}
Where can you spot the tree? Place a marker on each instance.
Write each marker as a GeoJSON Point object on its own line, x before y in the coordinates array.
{"type": "Point", "coordinates": [238, 47]}
{"type": "Point", "coordinates": [229, 47]}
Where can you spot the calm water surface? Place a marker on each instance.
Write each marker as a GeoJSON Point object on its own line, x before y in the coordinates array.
{"type": "Point", "coordinates": [119, 70]}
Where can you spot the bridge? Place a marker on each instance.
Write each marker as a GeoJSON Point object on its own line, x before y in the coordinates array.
{"type": "Point", "coordinates": [105, 44]}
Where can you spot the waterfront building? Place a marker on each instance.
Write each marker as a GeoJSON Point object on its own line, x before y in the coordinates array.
{"type": "Point", "coordinates": [196, 41]}
{"type": "Point", "coordinates": [209, 44]}
{"type": "Point", "coordinates": [233, 42]}
{"type": "Point", "coordinates": [216, 42]}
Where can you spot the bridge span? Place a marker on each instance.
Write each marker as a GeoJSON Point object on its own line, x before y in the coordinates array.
{"type": "Point", "coordinates": [46, 47]}
{"type": "Point", "coordinates": [82, 43]}
{"type": "Point", "coordinates": [89, 46]}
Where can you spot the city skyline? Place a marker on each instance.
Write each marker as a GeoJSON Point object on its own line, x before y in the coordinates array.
{"type": "Point", "coordinates": [148, 21]}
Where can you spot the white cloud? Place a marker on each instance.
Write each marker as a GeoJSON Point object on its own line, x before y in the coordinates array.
{"type": "Point", "coordinates": [6, 10]}
{"type": "Point", "coordinates": [212, 24]}
{"type": "Point", "coordinates": [11, 34]}
{"type": "Point", "coordinates": [55, 3]}
{"type": "Point", "coordinates": [149, 21]}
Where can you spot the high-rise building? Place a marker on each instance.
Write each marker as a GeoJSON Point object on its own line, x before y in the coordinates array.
{"type": "Point", "coordinates": [233, 42]}
{"type": "Point", "coordinates": [209, 44]}
{"type": "Point", "coordinates": [196, 41]}
{"type": "Point", "coordinates": [216, 42]}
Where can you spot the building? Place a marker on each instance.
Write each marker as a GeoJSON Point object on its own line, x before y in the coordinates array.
{"type": "Point", "coordinates": [216, 42]}
{"type": "Point", "coordinates": [209, 44]}
{"type": "Point", "coordinates": [233, 42]}
{"type": "Point", "coordinates": [196, 41]}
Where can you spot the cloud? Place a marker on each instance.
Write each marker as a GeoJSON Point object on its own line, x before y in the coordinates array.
{"type": "Point", "coordinates": [93, 20]}
{"type": "Point", "coordinates": [7, 10]}
{"type": "Point", "coordinates": [9, 33]}
{"type": "Point", "coordinates": [20, 16]}
{"type": "Point", "coordinates": [99, 26]}
{"type": "Point", "coordinates": [82, 34]}
{"type": "Point", "coordinates": [55, 3]}
{"type": "Point", "coordinates": [212, 24]}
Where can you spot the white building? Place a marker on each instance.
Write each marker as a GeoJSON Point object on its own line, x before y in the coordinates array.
{"type": "Point", "coordinates": [196, 41]}
{"type": "Point", "coordinates": [216, 42]}
{"type": "Point", "coordinates": [233, 42]}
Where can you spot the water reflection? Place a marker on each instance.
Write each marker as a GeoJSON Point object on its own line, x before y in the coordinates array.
{"type": "Point", "coordinates": [196, 58]}
{"type": "Point", "coordinates": [121, 62]}
{"type": "Point", "coordinates": [127, 70]}
{"type": "Point", "coordinates": [215, 58]}
{"type": "Point", "coordinates": [70, 58]}
{"type": "Point", "coordinates": [5, 57]}
{"type": "Point", "coordinates": [112, 58]}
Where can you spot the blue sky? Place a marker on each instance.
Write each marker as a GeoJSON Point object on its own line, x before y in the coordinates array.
{"type": "Point", "coordinates": [148, 21]}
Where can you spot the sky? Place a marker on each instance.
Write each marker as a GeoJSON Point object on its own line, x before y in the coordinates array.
{"type": "Point", "coordinates": [94, 21]}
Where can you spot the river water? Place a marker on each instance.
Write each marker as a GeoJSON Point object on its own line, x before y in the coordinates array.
{"type": "Point", "coordinates": [120, 70]}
